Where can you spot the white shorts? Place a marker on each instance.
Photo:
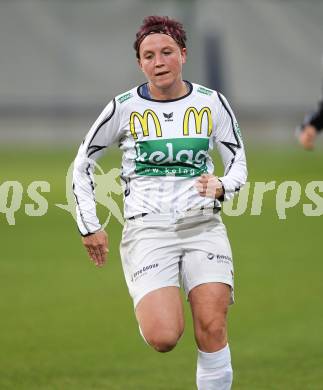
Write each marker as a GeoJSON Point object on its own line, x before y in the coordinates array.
{"type": "Point", "coordinates": [162, 253]}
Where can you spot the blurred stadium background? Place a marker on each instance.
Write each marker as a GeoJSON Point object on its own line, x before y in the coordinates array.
{"type": "Point", "coordinates": [65, 324]}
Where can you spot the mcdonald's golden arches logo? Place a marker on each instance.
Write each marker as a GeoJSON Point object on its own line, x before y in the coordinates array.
{"type": "Point", "coordinates": [198, 117]}
{"type": "Point", "coordinates": [143, 120]}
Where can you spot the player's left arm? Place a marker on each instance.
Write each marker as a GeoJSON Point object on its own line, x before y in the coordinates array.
{"type": "Point", "coordinates": [210, 186]}
{"type": "Point", "coordinates": [228, 140]}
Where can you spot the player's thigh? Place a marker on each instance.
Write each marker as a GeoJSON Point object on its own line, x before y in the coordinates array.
{"type": "Point", "coordinates": [160, 312]}
{"type": "Point", "coordinates": [209, 304]}
{"type": "Point", "coordinates": [209, 301]}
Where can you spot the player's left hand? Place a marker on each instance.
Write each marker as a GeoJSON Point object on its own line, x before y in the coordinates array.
{"type": "Point", "coordinates": [209, 186]}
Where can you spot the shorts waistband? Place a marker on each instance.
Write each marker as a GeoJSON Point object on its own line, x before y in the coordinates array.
{"type": "Point", "coordinates": [149, 217]}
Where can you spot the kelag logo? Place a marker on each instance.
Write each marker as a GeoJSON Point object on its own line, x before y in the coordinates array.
{"type": "Point", "coordinates": [177, 157]}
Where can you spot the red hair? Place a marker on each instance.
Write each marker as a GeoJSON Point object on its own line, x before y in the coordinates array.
{"type": "Point", "coordinates": [161, 25]}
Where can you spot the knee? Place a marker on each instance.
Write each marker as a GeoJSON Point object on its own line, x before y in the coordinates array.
{"type": "Point", "coordinates": [212, 330]}
{"type": "Point", "coordinates": [163, 341]}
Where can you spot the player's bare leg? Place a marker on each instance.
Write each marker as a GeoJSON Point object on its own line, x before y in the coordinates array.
{"type": "Point", "coordinates": [161, 318]}
{"type": "Point", "coordinates": [209, 304]}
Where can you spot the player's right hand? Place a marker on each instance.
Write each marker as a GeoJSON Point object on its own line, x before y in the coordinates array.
{"type": "Point", "coordinates": [96, 245]}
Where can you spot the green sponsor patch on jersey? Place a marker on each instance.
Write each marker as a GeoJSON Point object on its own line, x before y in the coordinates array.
{"type": "Point", "coordinates": [125, 97]}
{"type": "Point", "coordinates": [205, 91]}
{"type": "Point", "coordinates": [172, 157]}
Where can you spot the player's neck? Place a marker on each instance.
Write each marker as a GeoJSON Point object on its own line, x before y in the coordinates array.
{"type": "Point", "coordinates": [175, 91]}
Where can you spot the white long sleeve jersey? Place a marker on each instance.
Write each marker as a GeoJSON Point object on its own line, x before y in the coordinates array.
{"type": "Point", "coordinates": [165, 146]}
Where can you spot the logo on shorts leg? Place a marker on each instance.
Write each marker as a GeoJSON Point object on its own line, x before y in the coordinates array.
{"type": "Point", "coordinates": [143, 271]}
{"type": "Point", "coordinates": [224, 259]}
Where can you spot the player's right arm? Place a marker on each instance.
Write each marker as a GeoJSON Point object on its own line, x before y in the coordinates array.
{"type": "Point", "coordinates": [103, 133]}
{"type": "Point", "coordinates": [97, 246]}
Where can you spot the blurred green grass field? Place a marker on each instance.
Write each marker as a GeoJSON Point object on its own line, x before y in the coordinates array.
{"type": "Point", "coordinates": [68, 325]}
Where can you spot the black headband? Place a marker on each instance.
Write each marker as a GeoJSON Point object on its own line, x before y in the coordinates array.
{"type": "Point", "coordinates": [180, 42]}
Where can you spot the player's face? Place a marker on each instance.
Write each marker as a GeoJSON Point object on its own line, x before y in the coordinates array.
{"type": "Point", "coordinates": [161, 60]}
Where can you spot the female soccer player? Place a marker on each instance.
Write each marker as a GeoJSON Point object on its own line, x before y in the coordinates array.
{"type": "Point", "coordinates": [173, 231]}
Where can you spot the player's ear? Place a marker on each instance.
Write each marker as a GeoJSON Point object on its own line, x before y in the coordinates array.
{"type": "Point", "coordinates": [184, 54]}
